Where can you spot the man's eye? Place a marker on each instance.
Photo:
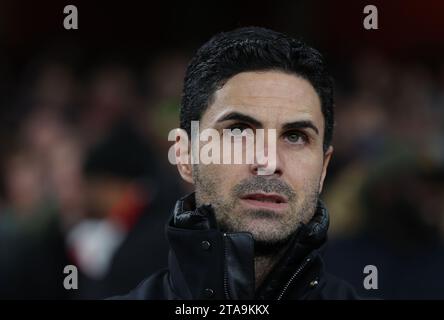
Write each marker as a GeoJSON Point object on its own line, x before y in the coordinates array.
{"type": "Point", "coordinates": [296, 138]}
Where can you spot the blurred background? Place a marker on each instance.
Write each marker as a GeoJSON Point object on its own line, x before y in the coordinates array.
{"type": "Point", "coordinates": [85, 114]}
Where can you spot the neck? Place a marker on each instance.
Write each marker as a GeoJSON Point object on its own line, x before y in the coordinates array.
{"type": "Point", "coordinates": [263, 264]}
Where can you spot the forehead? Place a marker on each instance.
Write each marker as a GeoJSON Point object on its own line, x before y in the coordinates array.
{"type": "Point", "coordinates": [272, 97]}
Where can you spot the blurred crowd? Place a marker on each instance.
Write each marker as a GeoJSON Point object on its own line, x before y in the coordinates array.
{"type": "Point", "coordinates": [85, 180]}
{"type": "Point", "coordinates": [385, 191]}
{"type": "Point", "coordinates": [85, 177]}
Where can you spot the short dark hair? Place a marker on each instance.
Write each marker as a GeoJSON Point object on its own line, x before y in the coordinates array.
{"type": "Point", "coordinates": [252, 49]}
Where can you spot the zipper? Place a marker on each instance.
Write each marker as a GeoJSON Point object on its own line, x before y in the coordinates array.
{"type": "Point", "coordinates": [227, 296]}
{"type": "Point", "coordinates": [293, 277]}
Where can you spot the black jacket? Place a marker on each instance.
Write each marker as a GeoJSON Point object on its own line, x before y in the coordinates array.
{"type": "Point", "coordinates": [205, 263]}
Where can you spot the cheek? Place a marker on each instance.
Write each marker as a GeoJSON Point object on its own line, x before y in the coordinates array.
{"type": "Point", "coordinates": [303, 171]}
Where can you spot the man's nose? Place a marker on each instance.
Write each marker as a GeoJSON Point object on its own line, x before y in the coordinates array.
{"type": "Point", "coordinates": [266, 160]}
{"type": "Point", "coordinates": [263, 170]}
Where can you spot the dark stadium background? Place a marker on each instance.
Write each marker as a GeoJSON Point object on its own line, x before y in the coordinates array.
{"type": "Point", "coordinates": [84, 115]}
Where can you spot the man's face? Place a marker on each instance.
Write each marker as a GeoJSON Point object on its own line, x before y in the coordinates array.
{"type": "Point", "coordinates": [270, 206]}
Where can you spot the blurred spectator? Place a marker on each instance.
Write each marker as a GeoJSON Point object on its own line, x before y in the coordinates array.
{"type": "Point", "coordinates": [122, 240]}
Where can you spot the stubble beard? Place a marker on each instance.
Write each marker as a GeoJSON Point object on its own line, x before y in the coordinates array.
{"type": "Point", "coordinates": [271, 231]}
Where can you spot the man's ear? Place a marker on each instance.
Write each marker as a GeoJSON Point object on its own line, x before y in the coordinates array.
{"type": "Point", "coordinates": [327, 157]}
{"type": "Point", "coordinates": [183, 156]}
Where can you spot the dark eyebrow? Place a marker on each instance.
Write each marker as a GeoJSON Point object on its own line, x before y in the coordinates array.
{"type": "Point", "coordinates": [300, 125]}
{"type": "Point", "coordinates": [241, 117]}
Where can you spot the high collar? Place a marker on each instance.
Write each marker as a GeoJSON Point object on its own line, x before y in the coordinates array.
{"type": "Point", "coordinates": [207, 263]}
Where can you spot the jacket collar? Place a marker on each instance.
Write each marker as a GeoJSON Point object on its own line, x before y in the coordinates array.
{"type": "Point", "coordinates": [206, 263]}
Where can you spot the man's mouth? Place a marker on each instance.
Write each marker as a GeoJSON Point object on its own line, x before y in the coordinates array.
{"type": "Point", "coordinates": [266, 200]}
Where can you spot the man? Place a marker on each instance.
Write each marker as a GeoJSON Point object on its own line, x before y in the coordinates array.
{"type": "Point", "coordinates": [242, 234]}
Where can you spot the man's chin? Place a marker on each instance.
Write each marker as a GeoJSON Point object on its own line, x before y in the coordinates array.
{"type": "Point", "coordinates": [267, 230]}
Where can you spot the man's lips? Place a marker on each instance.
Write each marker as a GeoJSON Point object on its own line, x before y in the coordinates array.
{"type": "Point", "coordinates": [266, 200]}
